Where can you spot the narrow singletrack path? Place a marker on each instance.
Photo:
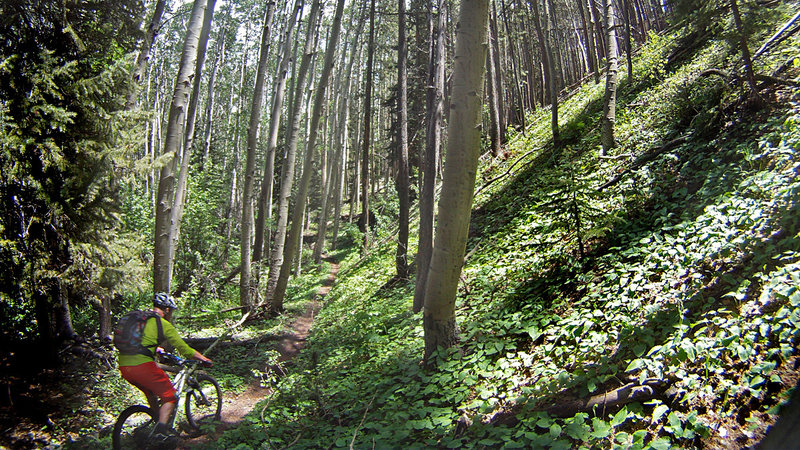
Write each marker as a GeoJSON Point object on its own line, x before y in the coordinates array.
{"type": "Point", "coordinates": [236, 408]}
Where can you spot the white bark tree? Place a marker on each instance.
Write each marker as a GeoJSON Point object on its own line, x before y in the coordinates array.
{"type": "Point", "coordinates": [460, 168]}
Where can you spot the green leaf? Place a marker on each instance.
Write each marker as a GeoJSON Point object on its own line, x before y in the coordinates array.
{"type": "Point", "coordinates": [661, 444]}
{"type": "Point", "coordinates": [756, 381]}
{"type": "Point", "coordinates": [601, 428]}
{"type": "Point", "coordinates": [577, 430]}
{"type": "Point", "coordinates": [635, 365]}
{"type": "Point", "coordinates": [619, 417]}
{"type": "Point", "coordinates": [658, 412]}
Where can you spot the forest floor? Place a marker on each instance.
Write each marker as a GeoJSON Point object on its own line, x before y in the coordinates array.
{"type": "Point", "coordinates": [289, 345]}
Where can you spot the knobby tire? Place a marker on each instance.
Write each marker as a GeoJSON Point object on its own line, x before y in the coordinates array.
{"type": "Point", "coordinates": [133, 427]}
{"type": "Point", "coordinates": [204, 402]}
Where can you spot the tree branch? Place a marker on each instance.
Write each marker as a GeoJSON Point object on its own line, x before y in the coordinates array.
{"type": "Point", "coordinates": [644, 159]}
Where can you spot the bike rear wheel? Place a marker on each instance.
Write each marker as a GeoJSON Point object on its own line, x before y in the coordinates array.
{"type": "Point", "coordinates": [133, 427]}
{"type": "Point", "coordinates": [203, 401]}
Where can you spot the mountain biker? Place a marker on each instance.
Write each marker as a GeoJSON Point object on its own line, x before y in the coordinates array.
{"type": "Point", "coordinates": [141, 370]}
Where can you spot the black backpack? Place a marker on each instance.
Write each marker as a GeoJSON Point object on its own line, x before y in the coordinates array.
{"type": "Point", "coordinates": [129, 330]}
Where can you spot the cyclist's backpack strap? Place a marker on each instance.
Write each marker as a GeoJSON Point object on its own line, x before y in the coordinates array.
{"type": "Point", "coordinates": [129, 331]}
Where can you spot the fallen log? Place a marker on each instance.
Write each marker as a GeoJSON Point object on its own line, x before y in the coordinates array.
{"type": "Point", "coordinates": [629, 393]}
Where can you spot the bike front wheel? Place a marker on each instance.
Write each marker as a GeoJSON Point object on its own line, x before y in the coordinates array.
{"type": "Point", "coordinates": [134, 427]}
{"type": "Point", "coordinates": [203, 401]}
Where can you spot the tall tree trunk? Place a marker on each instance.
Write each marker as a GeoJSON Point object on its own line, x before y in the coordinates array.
{"type": "Point", "coordinates": [594, 14]}
{"type": "Point", "coordinates": [338, 138]}
{"type": "Point", "coordinates": [748, 61]}
{"type": "Point", "coordinates": [588, 37]}
{"type": "Point", "coordinates": [455, 204]}
{"type": "Point", "coordinates": [626, 7]}
{"type": "Point", "coordinates": [162, 266]}
{"type": "Point", "coordinates": [294, 239]}
{"type": "Point", "coordinates": [401, 256]}
{"type": "Point", "coordinates": [519, 104]}
{"type": "Point", "coordinates": [188, 138]}
{"type": "Point", "coordinates": [144, 53]}
{"type": "Point", "coordinates": [494, 101]}
{"type": "Point", "coordinates": [610, 98]}
{"type": "Point", "coordinates": [265, 197]}
{"type": "Point", "coordinates": [549, 66]}
{"type": "Point", "coordinates": [433, 144]}
{"type": "Point", "coordinates": [497, 60]}
{"type": "Point", "coordinates": [219, 60]}
{"type": "Point", "coordinates": [234, 147]}
{"type": "Point", "coordinates": [365, 159]}
{"type": "Point", "coordinates": [246, 288]}
{"type": "Point", "coordinates": [277, 259]}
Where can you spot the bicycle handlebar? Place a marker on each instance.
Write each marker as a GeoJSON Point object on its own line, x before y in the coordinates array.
{"type": "Point", "coordinates": [182, 362]}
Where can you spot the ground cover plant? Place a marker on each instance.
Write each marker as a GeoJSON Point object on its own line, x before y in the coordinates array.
{"type": "Point", "coordinates": [670, 265]}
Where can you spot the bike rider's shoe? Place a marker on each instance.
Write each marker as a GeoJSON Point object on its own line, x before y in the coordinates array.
{"type": "Point", "coordinates": [164, 438]}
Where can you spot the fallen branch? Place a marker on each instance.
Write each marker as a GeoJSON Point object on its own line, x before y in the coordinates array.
{"type": "Point", "coordinates": [629, 393]}
{"type": "Point", "coordinates": [355, 433]}
{"type": "Point", "coordinates": [510, 168]}
{"type": "Point", "coordinates": [775, 80]}
{"type": "Point", "coordinates": [777, 38]}
{"type": "Point", "coordinates": [709, 72]}
{"type": "Point", "coordinates": [644, 159]}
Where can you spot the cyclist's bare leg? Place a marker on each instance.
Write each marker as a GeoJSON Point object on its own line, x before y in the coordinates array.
{"type": "Point", "coordinates": [166, 411]}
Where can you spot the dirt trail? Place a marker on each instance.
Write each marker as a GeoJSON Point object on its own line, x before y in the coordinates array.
{"type": "Point", "coordinates": [234, 409]}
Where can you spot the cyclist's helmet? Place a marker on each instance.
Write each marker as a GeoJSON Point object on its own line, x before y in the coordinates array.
{"type": "Point", "coordinates": [164, 300]}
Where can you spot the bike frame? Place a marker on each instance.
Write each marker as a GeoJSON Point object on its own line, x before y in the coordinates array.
{"type": "Point", "coordinates": [182, 375]}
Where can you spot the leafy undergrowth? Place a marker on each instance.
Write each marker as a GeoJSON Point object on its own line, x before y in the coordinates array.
{"type": "Point", "coordinates": [684, 271]}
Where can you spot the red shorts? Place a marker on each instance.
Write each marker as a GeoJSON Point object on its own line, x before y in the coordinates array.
{"type": "Point", "coordinates": [151, 380]}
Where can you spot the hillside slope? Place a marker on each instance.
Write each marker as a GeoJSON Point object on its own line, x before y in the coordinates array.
{"type": "Point", "coordinates": [667, 270]}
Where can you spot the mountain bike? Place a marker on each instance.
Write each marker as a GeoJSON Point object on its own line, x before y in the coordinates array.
{"type": "Point", "coordinates": [197, 392]}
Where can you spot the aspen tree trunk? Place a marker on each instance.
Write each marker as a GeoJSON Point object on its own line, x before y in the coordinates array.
{"type": "Point", "coordinates": [610, 98]}
{"type": "Point", "coordinates": [277, 257]}
{"type": "Point", "coordinates": [433, 143]}
{"type": "Point", "coordinates": [265, 197]}
{"type": "Point", "coordinates": [455, 204]}
{"type": "Point", "coordinates": [144, 53]}
{"type": "Point", "coordinates": [401, 256]}
{"type": "Point", "coordinates": [588, 37]}
{"type": "Point", "coordinates": [219, 60]}
{"type": "Point", "coordinates": [502, 114]}
{"type": "Point", "coordinates": [550, 33]}
{"type": "Point", "coordinates": [519, 104]}
{"type": "Point", "coordinates": [548, 63]}
{"type": "Point", "coordinates": [596, 20]}
{"type": "Point", "coordinates": [234, 149]}
{"type": "Point", "coordinates": [294, 239]}
{"type": "Point", "coordinates": [365, 160]}
{"type": "Point", "coordinates": [188, 138]}
{"type": "Point", "coordinates": [494, 101]}
{"type": "Point", "coordinates": [162, 266]}
{"type": "Point", "coordinates": [626, 7]}
{"type": "Point", "coordinates": [338, 140]}
{"type": "Point", "coordinates": [246, 288]}
{"type": "Point", "coordinates": [344, 114]}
